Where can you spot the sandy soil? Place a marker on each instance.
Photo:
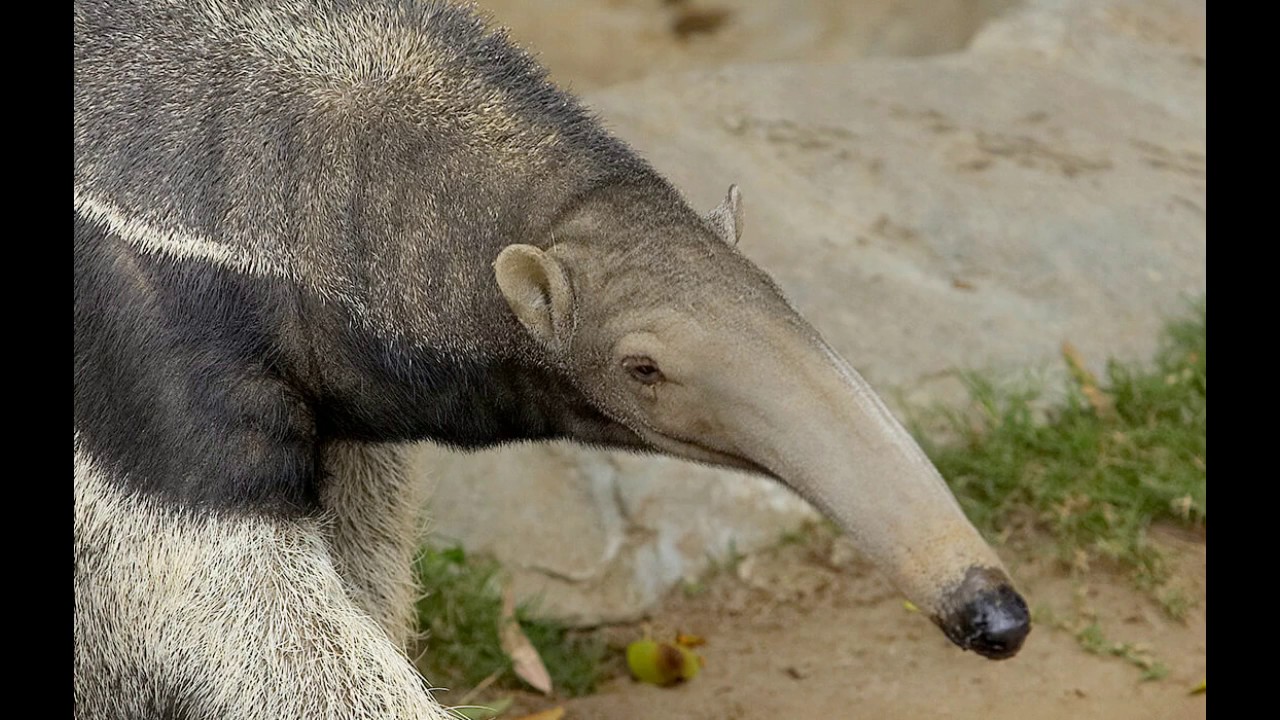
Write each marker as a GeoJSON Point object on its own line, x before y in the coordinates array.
{"type": "Point", "coordinates": [808, 631]}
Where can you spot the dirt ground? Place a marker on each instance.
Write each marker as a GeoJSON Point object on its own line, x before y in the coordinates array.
{"type": "Point", "coordinates": [809, 631]}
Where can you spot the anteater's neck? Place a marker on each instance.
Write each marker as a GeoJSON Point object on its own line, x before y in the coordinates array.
{"type": "Point", "coordinates": [216, 388]}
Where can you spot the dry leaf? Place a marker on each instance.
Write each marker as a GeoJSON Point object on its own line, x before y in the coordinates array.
{"type": "Point", "coordinates": [525, 660]}
{"type": "Point", "coordinates": [480, 687]}
{"type": "Point", "coordinates": [1101, 402]}
{"type": "Point", "coordinates": [1183, 506]}
{"type": "Point", "coordinates": [690, 641]}
{"type": "Point", "coordinates": [1199, 688]}
{"type": "Point", "coordinates": [554, 713]}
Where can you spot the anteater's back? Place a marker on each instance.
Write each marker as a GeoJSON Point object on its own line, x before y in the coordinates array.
{"type": "Point", "coordinates": [256, 134]}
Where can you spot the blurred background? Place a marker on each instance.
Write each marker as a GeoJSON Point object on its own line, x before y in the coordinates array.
{"type": "Point", "coordinates": [941, 186]}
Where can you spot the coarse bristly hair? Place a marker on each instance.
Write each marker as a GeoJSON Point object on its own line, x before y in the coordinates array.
{"type": "Point", "coordinates": [285, 217]}
{"type": "Point", "coordinates": [308, 231]}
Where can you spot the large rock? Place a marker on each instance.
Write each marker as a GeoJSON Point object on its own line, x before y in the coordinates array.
{"type": "Point", "coordinates": [1154, 49]}
{"type": "Point", "coordinates": [613, 42]}
{"type": "Point", "coordinates": [600, 536]}
{"type": "Point", "coordinates": [971, 210]}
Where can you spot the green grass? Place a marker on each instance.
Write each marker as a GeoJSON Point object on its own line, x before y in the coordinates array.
{"type": "Point", "coordinates": [1098, 469]}
{"type": "Point", "coordinates": [461, 615]}
{"type": "Point", "coordinates": [1091, 638]}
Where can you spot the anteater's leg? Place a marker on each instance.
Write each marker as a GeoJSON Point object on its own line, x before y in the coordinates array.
{"type": "Point", "coordinates": [188, 615]}
{"type": "Point", "coordinates": [375, 506]}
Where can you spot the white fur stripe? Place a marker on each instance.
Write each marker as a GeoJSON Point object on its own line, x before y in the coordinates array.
{"type": "Point", "coordinates": [176, 242]}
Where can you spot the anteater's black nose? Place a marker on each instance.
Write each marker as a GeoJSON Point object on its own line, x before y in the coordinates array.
{"type": "Point", "coordinates": [989, 616]}
{"type": "Point", "coordinates": [997, 622]}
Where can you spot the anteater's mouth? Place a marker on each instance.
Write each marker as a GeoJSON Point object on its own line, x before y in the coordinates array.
{"type": "Point", "coordinates": [697, 452]}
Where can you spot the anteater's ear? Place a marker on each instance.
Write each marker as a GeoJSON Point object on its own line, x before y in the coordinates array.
{"type": "Point", "coordinates": [727, 217]}
{"type": "Point", "coordinates": [538, 291]}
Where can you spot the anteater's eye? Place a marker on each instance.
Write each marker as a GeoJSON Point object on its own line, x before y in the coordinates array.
{"type": "Point", "coordinates": [642, 369]}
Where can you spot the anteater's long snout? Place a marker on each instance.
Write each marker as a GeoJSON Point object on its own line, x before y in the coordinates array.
{"type": "Point", "coordinates": [988, 616]}
{"type": "Point", "coordinates": [820, 428]}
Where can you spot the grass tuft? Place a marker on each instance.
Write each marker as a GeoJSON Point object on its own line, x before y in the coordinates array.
{"type": "Point", "coordinates": [1100, 468]}
{"type": "Point", "coordinates": [1094, 641]}
{"type": "Point", "coordinates": [460, 617]}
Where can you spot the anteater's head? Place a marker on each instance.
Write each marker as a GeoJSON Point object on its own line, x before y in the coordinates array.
{"type": "Point", "coordinates": [674, 335]}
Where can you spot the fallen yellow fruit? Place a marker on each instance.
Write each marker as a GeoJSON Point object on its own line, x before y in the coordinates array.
{"type": "Point", "coordinates": [662, 663]}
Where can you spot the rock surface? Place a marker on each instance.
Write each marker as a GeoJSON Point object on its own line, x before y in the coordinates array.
{"type": "Point", "coordinates": [969, 210]}
{"type": "Point", "coordinates": [589, 44]}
